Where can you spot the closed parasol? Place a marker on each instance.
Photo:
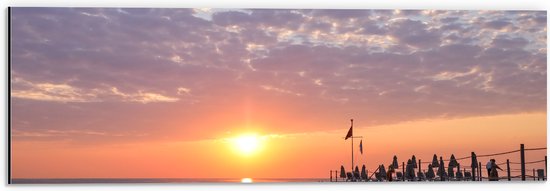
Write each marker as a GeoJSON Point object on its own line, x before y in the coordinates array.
{"type": "Point", "coordinates": [409, 170]}
{"type": "Point", "coordinates": [415, 165]}
{"type": "Point", "coordinates": [474, 160]}
{"type": "Point", "coordinates": [435, 162]}
{"type": "Point", "coordinates": [356, 174]}
{"type": "Point", "coordinates": [394, 163]}
{"type": "Point", "coordinates": [452, 161]}
{"type": "Point", "coordinates": [441, 170]}
{"type": "Point", "coordinates": [430, 174]}
{"type": "Point", "coordinates": [382, 171]}
{"type": "Point", "coordinates": [451, 172]}
{"type": "Point", "coordinates": [363, 173]}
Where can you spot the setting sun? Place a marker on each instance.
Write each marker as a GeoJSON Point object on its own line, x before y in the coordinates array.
{"type": "Point", "coordinates": [247, 144]}
{"type": "Point", "coordinates": [246, 180]}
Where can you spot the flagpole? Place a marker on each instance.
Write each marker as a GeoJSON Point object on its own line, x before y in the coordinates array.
{"type": "Point", "coordinates": [350, 135]}
{"type": "Point", "coordinates": [352, 145]}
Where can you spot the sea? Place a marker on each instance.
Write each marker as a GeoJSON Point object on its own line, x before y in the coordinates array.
{"type": "Point", "coordinates": [203, 180]}
{"type": "Point", "coordinates": [159, 180]}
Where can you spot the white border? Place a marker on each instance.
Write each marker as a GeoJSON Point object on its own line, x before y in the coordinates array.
{"type": "Point", "coordinates": [317, 4]}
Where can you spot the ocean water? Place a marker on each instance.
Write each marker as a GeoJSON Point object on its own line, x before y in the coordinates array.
{"type": "Point", "coordinates": [206, 180]}
{"type": "Point", "coordinates": [158, 180]}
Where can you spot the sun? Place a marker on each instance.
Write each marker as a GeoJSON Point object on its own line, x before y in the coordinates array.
{"type": "Point", "coordinates": [247, 144]}
{"type": "Point", "coordinates": [246, 180]}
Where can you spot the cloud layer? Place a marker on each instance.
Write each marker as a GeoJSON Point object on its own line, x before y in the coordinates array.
{"type": "Point", "coordinates": [161, 73]}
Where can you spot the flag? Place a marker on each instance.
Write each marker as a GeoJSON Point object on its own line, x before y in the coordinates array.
{"type": "Point", "coordinates": [350, 133]}
{"type": "Point", "coordinates": [361, 146]}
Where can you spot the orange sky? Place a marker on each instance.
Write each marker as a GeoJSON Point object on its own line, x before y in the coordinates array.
{"type": "Point", "coordinates": [141, 93]}
{"type": "Point", "coordinates": [285, 155]}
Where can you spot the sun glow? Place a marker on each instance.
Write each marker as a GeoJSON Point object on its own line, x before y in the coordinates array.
{"type": "Point", "coordinates": [246, 180]}
{"type": "Point", "coordinates": [247, 144]}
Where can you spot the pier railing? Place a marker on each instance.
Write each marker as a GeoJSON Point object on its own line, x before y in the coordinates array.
{"type": "Point", "coordinates": [466, 175]}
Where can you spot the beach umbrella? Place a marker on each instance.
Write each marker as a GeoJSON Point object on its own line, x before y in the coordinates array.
{"type": "Point", "coordinates": [414, 162]}
{"type": "Point", "coordinates": [342, 172]}
{"type": "Point", "coordinates": [441, 170]}
{"type": "Point", "coordinates": [452, 161]}
{"type": "Point", "coordinates": [394, 163]}
{"type": "Point", "coordinates": [474, 160]}
{"type": "Point", "coordinates": [430, 174]}
{"type": "Point", "coordinates": [435, 163]}
{"type": "Point", "coordinates": [363, 173]}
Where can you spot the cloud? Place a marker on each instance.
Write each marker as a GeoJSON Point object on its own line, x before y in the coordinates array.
{"type": "Point", "coordinates": [498, 24]}
{"type": "Point", "coordinates": [414, 33]}
{"type": "Point", "coordinates": [509, 42]}
{"type": "Point", "coordinates": [66, 93]}
{"type": "Point", "coordinates": [279, 90]}
{"type": "Point", "coordinates": [99, 67]}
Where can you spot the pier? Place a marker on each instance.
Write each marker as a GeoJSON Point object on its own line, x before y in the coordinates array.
{"type": "Point", "coordinates": [466, 168]}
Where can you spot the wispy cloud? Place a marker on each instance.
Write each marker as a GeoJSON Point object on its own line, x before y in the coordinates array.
{"type": "Point", "coordinates": [68, 93]}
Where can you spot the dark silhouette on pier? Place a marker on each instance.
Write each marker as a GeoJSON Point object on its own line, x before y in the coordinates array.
{"type": "Point", "coordinates": [412, 170]}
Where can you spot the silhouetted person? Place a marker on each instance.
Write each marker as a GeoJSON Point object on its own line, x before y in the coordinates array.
{"type": "Point", "coordinates": [342, 172]}
{"type": "Point", "coordinates": [493, 176]}
{"type": "Point", "coordinates": [488, 167]}
{"type": "Point", "coordinates": [389, 174]}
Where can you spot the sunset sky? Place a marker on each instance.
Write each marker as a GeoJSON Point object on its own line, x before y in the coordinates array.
{"type": "Point", "coordinates": [228, 93]}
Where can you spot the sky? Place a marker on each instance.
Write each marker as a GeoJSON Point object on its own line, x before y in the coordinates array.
{"type": "Point", "coordinates": [110, 93]}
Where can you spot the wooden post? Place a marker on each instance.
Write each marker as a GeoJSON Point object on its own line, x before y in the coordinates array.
{"type": "Point", "coordinates": [419, 165]}
{"type": "Point", "coordinates": [474, 174]}
{"type": "Point", "coordinates": [508, 169]}
{"type": "Point", "coordinates": [331, 176]}
{"type": "Point", "coordinates": [522, 155]}
{"type": "Point", "coordinates": [403, 167]}
{"type": "Point", "coordinates": [336, 177]}
{"type": "Point", "coordinates": [534, 176]}
{"type": "Point", "coordinates": [480, 173]}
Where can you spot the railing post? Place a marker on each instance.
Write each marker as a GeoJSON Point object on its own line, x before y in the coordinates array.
{"type": "Point", "coordinates": [534, 176]}
{"type": "Point", "coordinates": [403, 167]}
{"type": "Point", "coordinates": [331, 176]}
{"type": "Point", "coordinates": [508, 169]}
{"type": "Point", "coordinates": [480, 172]}
{"type": "Point", "coordinates": [474, 170]}
{"type": "Point", "coordinates": [522, 155]}
{"type": "Point", "coordinates": [336, 177]}
{"type": "Point", "coordinates": [419, 165]}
